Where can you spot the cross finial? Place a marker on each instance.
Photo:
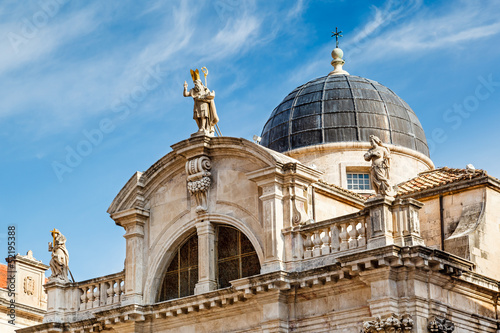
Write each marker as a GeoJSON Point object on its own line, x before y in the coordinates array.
{"type": "Point", "coordinates": [337, 34]}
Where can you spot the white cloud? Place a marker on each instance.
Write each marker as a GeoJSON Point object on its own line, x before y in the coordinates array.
{"type": "Point", "coordinates": [431, 30]}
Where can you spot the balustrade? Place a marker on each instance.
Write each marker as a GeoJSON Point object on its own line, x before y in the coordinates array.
{"type": "Point", "coordinates": [336, 237]}
{"type": "Point", "coordinates": [102, 291]}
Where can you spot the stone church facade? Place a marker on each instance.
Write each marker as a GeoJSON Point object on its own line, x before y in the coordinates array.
{"type": "Point", "coordinates": [227, 235]}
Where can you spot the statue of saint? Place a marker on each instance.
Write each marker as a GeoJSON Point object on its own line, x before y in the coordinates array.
{"type": "Point", "coordinates": [380, 156]}
{"type": "Point", "coordinates": [204, 112]}
{"type": "Point", "coordinates": [60, 258]}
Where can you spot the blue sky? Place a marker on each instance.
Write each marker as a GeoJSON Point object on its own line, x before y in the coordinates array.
{"type": "Point", "coordinates": [111, 73]}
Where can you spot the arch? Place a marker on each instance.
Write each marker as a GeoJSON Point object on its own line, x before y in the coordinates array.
{"type": "Point", "coordinates": [163, 254]}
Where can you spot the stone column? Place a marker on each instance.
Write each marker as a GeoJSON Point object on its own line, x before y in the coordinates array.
{"type": "Point", "coordinates": [133, 220]}
{"type": "Point", "coordinates": [206, 257]}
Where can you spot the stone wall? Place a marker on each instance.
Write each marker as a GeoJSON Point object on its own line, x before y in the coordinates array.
{"type": "Point", "coordinates": [334, 159]}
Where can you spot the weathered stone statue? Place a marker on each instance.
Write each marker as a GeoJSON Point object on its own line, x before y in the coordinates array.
{"type": "Point", "coordinates": [60, 258]}
{"type": "Point", "coordinates": [380, 156]}
{"type": "Point", "coordinates": [204, 112]}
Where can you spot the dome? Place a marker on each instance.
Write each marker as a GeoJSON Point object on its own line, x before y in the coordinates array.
{"type": "Point", "coordinates": [342, 108]}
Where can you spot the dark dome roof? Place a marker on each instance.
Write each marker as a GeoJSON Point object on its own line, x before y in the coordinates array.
{"type": "Point", "coordinates": [342, 108]}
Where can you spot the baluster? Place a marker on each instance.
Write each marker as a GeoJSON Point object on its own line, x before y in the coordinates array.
{"type": "Point", "coordinates": [344, 237]}
{"type": "Point", "coordinates": [122, 289]}
{"type": "Point", "coordinates": [308, 245]}
{"type": "Point", "coordinates": [362, 233]}
{"type": "Point", "coordinates": [353, 241]}
{"type": "Point", "coordinates": [95, 296]}
{"type": "Point", "coordinates": [335, 238]}
{"type": "Point", "coordinates": [326, 249]}
{"type": "Point", "coordinates": [90, 300]}
{"type": "Point", "coordinates": [110, 292]}
{"type": "Point", "coordinates": [317, 243]}
{"type": "Point", "coordinates": [83, 298]}
{"type": "Point", "coordinates": [117, 293]}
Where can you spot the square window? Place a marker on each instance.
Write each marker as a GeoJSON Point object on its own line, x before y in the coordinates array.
{"type": "Point", "coordinates": [358, 181]}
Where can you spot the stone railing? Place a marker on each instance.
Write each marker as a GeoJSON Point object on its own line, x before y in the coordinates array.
{"type": "Point", "coordinates": [70, 301]}
{"type": "Point", "coordinates": [337, 235]}
{"type": "Point", "coordinates": [383, 221]}
{"type": "Point", "coordinates": [102, 291]}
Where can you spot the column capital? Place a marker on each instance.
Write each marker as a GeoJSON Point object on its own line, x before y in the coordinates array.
{"type": "Point", "coordinates": [204, 227]}
{"type": "Point", "coordinates": [130, 216]}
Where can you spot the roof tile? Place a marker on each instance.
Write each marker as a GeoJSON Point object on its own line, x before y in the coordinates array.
{"type": "Point", "coordinates": [435, 178]}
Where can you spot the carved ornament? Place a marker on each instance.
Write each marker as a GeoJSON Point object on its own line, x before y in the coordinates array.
{"type": "Point", "coordinates": [29, 285]}
{"type": "Point", "coordinates": [392, 324]}
{"type": "Point", "coordinates": [199, 181]}
{"type": "Point", "coordinates": [440, 325]}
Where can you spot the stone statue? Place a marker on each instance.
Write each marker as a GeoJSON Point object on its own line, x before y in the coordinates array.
{"type": "Point", "coordinates": [380, 156]}
{"type": "Point", "coordinates": [204, 112]}
{"type": "Point", "coordinates": [60, 258]}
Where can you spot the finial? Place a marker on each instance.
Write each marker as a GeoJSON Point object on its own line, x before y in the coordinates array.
{"type": "Point", "coordinates": [337, 55]}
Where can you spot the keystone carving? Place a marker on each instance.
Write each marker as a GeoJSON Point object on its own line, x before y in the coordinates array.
{"type": "Point", "coordinates": [440, 325]}
{"type": "Point", "coordinates": [392, 324]}
{"type": "Point", "coordinates": [198, 181]}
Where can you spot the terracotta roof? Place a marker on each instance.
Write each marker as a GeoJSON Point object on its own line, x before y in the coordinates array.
{"type": "Point", "coordinates": [438, 177]}
{"type": "Point", "coordinates": [345, 191]}
{"type": "Point", "coordinates": [3, 276]}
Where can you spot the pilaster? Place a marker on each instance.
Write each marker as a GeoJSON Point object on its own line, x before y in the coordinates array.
{"type": "Point", "coordinates": [384, 291]}
{"type": "Point", "coordinates": [133, 220]}
{"type": "Point", "coordinates": [270, 183]}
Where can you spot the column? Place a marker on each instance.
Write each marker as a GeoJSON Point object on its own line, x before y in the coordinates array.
{"type": "Point", "coordinates": [206, 257]}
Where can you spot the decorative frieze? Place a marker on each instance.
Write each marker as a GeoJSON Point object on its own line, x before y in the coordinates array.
{"type": "Point", "coordinates": [392, 324]}
{"type": "Point", "coordinates": [199, 181]}
{"type": "Point", "coordinates": [440, 325]}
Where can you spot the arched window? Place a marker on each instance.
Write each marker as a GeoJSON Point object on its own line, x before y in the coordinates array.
{"type": "Point", "coordinates": [182, 273]}
{"type": "Point", "coordinates": [236, 257]}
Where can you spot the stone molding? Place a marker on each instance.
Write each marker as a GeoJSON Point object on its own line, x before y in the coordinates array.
{"type": "Point", "coordinates": [439, 324]}
{"type": "Point", "coordinates": [392, 324]}
{"type": "Point", "coordinates": [343, 146]}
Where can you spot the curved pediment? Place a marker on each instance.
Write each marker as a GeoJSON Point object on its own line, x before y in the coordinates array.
{"type": "Point", "coordinates": [143, 185]}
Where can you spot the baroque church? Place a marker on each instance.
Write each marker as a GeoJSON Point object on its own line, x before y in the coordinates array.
{"type": "Point", "coordinates": [336, 221]}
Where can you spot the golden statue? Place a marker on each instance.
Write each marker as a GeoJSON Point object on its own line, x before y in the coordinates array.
{"type": "Point", "coordinates": [204, 112]}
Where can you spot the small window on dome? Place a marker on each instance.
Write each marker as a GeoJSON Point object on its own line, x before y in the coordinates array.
{"type": "Point", "coordinates": [358, 181]}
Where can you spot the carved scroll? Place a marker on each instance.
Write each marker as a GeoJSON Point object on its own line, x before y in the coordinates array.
{"type": "Point", "coordinates": [199, 181]}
